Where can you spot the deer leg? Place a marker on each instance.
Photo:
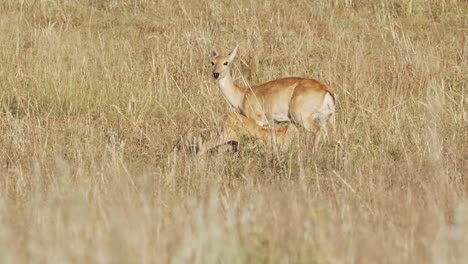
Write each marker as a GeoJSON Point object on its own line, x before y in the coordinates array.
{"type": "Point", "coordinates": [223, 139]}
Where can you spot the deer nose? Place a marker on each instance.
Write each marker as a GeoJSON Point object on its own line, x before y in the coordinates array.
{"type": "Point", "coordinates": [215, 75]}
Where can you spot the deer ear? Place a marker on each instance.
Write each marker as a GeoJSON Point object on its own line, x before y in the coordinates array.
{"type": "Point", "coordinates": [233, 53]}
{"type": "Point", "coordinates": [214, 53]}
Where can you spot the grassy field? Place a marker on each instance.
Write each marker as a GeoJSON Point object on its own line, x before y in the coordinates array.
{"type": "Point", "coordinates": [96, 97]}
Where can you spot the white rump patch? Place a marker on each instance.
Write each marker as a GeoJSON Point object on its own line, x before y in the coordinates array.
{"type": "Point", "coordinates": [327, 109]}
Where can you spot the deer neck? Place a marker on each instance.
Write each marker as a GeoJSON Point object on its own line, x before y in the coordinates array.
{"type": "Point", "coordinates": [233, 94]}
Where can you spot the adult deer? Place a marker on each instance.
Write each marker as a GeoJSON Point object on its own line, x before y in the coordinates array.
{"type": "Point", "coordinates": [235, 126]}
{"type": "Point", "coordinates": [304, 102]}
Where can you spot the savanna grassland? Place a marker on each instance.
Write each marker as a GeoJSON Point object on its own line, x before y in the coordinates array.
{"type": "Point", "coordinates": [98, 99]}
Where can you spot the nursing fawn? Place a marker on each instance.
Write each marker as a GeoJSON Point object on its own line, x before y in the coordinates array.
{"type": "Point", "coordinates": [234, 127]}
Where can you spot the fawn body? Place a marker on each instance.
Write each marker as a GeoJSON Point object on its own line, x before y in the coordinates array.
{"type": "Point", "coordinates": [235, 126]}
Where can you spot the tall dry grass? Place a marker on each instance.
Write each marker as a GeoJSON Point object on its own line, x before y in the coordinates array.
{"type": "Point", "coordinates": [96, 95]}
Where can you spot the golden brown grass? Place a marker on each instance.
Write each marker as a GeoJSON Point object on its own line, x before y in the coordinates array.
{"type": "Point", "coordinates": [96, 95]}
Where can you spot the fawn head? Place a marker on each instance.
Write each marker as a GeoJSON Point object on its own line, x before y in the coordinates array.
{"type": "Point", "coordinates": [220, 64]}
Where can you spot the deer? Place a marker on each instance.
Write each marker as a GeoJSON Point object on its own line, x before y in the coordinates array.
{"type": "Point", "coordinates": [304, 102]}
{"type": "Point", "coordinates": [234, 127]}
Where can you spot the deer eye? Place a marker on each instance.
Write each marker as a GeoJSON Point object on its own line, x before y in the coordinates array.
{"type": "Point", "coordinates": [225, 63]}
{"type": "Point", "coordinates": [212, 63]}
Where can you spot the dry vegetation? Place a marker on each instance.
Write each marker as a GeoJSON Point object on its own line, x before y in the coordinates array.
{"type": "Point", "coordinates": [96, 94]}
